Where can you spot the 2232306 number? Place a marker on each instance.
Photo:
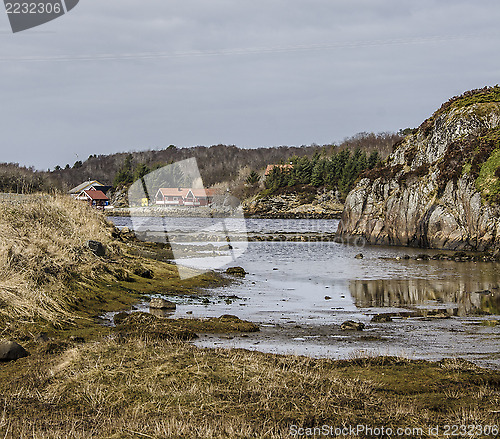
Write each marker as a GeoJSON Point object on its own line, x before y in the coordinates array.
{"type": "Point", "coordinates": [33, 8]}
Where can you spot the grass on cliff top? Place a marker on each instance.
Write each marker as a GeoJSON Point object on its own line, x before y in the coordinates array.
{"type": "Point", "coordinates": [471, 97]}
{"type": "Point", "coordinates": [481, 159]}
{"type": "Point", "coordinates": [141, 388]}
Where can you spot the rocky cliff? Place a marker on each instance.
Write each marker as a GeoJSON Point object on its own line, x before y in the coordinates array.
{"type": "Point", "coordinates": [440, 188]}
{"type": "Point", "coordinates": [317, 204]}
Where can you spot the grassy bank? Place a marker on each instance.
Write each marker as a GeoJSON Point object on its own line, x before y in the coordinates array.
{"type": "Point", "coordinates": [140, 380]}
{"type": "Point", "coordinates": [51, 280]}
{"type": "Point", "coordinates": [137, 387]}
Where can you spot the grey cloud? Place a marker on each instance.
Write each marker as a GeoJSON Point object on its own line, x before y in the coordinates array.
{"type": "Point", "coordinates": [252, 73]}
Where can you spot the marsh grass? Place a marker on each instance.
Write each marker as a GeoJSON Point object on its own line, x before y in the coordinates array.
{"type": "Point", "coordinates": [147, 325]}
{"type": "Point", "coordinates": [128, 385]}
{"type": "Point", "coordinates": [48, 275]}
{"type": "Point", "coordinates": [42, 245]}
{"type": "Point", "coordinates": [134, 388]}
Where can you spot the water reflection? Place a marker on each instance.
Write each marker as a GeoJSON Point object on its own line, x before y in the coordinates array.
{"type": "Point", "coordinates": [466, 296]}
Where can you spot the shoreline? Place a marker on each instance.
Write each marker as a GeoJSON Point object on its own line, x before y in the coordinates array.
{"type": "Point", "coordinates": [189, 212]}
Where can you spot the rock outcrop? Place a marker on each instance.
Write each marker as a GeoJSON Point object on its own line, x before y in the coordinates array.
{"type": "Point", "coordinates": [440, 188]}
{"type": "Point", "coordinates": [322, 204]}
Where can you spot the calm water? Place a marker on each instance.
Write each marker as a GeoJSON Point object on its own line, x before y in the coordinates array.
{"type": "Point", "coordinates": [252, 225]}
{"type": "Point", "coordinates": [301, 292]}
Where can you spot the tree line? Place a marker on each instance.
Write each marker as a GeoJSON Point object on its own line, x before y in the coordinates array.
{"type": "Point", "coordinates": [218, 164]}
{"type": "Point", "coordinates": [338, 171]}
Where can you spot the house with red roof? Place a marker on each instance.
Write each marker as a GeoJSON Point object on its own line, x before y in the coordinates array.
{"type": "Point", "coordinates": [94, 198]}
{"type": "Point", "coordinates": [178, 196]}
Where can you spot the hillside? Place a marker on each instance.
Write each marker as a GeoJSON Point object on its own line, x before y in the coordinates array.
{"type": "Point", "coordinates": [50, 277]}
{"type": "Point", "coordinates": [440, 188]}
{"type": "Point", "coordinates": [218, 164]}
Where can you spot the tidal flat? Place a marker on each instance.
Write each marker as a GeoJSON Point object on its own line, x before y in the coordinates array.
{"type": "Point", "coordinates": [146, 378]}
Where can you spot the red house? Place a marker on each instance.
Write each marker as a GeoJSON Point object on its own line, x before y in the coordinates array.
{"type": "Point", "coordinates": [97, 199]}
{"type": "Point", "coordinates": [282, 167]}
{"type": "Point", "coordinates": [172, 196]}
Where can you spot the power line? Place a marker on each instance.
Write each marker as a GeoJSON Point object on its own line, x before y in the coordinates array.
{"type": "Point", "coordinates": [246, 50]}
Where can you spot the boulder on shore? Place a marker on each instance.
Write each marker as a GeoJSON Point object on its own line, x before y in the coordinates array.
{"type": "Point", "coordinates": [97, 248]}
{"type": "Point", "coordinates": [381, 318]}
{"type": "Point", "coordinates": [351, 325]}
{"type": "Point", "coordinates": [10, 351]}
{"type": "Point", "coordinates": [236, 271]}
{"type": "Point", "coordinates": [159, 303]}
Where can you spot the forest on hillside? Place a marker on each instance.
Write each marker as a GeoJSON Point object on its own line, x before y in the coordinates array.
{"type": "Point", "coordinates": [218, 164]}
{"type": "Point", "coordinates": [338, 171]}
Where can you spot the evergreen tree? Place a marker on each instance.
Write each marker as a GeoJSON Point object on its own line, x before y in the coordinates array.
{"type": "Point", "coordinates": [253, 178]}
{"type": "Point", "coordinates": [140, 171]}
{"type": "Point", "coordinates": [373, 159]}
{"type": "Point", "coordinates": [317, 178]}
{"type": "Point", "coordinates": [124, 175]}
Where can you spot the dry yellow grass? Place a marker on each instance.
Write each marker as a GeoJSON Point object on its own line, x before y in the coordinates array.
{"type": "Point", "coordinates": [134, 388]}
{"type": "Point", "coordinates": [42, 244]}
{"type": "Point", "coordinates": [49, 277]}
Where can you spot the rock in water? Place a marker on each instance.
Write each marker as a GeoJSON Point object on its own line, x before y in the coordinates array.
{"type": "Point", "coordinates": [159, 303]}
{"type": "Point", "coordinates": [382, 318]}
{"type": "Point", "coordinates": [97, 248]}
{"type": "Point", "coordinates": [10, 350]}
{"type": "Point", "coordinates": [351, 325]}
{"type": "Point", "coordinates": [236, 271]}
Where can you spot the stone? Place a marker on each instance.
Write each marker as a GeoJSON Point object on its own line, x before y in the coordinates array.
{"type": "Point", "coordinates": [41, 337]}
{"type": "Point", "coordinates": [119, 317]}
{"type": "Point", "coordinates": [327, 298]}
{"type": "Point", "coordinates": [422, 257]}
{"type": "Point", "coordinates": [10, 351]}
{"type": "Point", "coordinates": [97, 248]}
{"type": "Point", "coordinates": [359, 256]}
{"type": "Point", "coordinates": [146, 273]}
{"type": "Point", "coordinates": [159, 303]}
{"type": "Point", "coordinates": [229, 317]}
{"type": "Point", "coordinates": [381, 318]}
{"type": "Point", "coordinates": [236, 271]}
{"type": "Point", "coordinates": [351, 325]}
{"type": "Point", "coordinates": [127, 235]}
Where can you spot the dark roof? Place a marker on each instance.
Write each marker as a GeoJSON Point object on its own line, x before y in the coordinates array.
{"type": "Point", "coordinates": [102, 188]}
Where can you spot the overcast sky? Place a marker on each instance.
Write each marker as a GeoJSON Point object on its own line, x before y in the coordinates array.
{"type": "Point", "coordinates": [123, 75]}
